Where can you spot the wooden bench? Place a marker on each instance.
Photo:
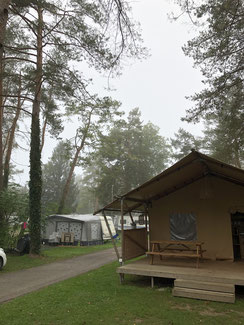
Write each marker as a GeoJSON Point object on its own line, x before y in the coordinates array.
{"type": "Point", "coordinates": [174, 248]}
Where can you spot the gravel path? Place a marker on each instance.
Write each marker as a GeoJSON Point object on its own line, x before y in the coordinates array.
{"type": "Point", "coordinates": [15, 284]}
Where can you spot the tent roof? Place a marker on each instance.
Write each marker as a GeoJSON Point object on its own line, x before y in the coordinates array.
{"type": "Point", "coordinates": [77, 217]}
{"type": "Point", "coordinates": [186, 171]}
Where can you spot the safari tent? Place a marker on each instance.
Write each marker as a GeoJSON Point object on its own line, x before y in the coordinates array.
{"type": "Point", "coordinates": [83, 229]}
{"type": "Point", "coordinates": [197, 200]}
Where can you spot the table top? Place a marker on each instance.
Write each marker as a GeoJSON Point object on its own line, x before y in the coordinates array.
{"type": "Point", "coordinates": [177, 242]}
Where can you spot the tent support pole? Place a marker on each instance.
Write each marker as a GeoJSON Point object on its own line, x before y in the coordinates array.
{"type": "Point", "coordinates": [122, 231]}
{"type": "Point", "coordinates": [111, 236]}
{"type": "Point", "coordinates": [147, 223]}
{"type": "Point", "coordinates": [152, 282]}
{"type": "Point", "coordinates": [121, 277]}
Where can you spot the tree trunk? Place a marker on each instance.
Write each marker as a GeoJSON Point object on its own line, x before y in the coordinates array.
{"type": "Point", "coordinates": [78, 150]}
{"type": "Point", "coordinates": [35, 184]}
{"type": "Point", "coordinates": [236, 154]}
{"type": "Point", "coordinates": [43, 133]}
{"type": "Point", "coordinates": [5, 145]}
{"type": "Point", "coordinates": [4, 6]}
{"type": "Point", "coordinates": [67, 184]}
{"type": "Point", "coordinates": [44, 127]}
{"type": "Point", "coordinates": [11, 139]}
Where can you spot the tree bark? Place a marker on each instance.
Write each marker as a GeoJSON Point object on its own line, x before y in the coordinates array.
{"type": "Point", "coordinates": [236, 154]}
{"type": "Point", "coordinates": [43, 133]}
{"type": "Point", "coordinates": [35, 184]}
{"type": "Point", "coordinates": [74, 162]}
{"type": "Point", "coordinates": [11, 139]}
{"type": "Point", "coordinates": [44, 127]}
{"type": "Point", "coordinates": [4, 7]}
{"type": "Point", "coordinates": [68, 181]}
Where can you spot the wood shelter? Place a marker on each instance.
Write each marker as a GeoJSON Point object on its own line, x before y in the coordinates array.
{"type": "Point", "coordinates": [200, 191]}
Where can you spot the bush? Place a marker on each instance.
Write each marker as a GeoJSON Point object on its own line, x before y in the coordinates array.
{"type": "Point", "coordinates": [14, 205]}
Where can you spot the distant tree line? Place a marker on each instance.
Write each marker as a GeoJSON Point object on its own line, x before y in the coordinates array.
{"type": "Point", "coordinates": [41, 43]}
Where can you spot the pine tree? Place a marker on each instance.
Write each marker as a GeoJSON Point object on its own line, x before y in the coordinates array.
{"type": "Point", "coordinates": [224, 131]}
{"type": "Point", "coordinates": [183, 142]}
{"type": "Point", "coordinates": [217, 50]}
{"type": "Point", "coordinates": [130, 154]}
{"type": "Point", "coordinates": [94, 117]}
{"type": "Point", "coordinates": [54, 175]}
{"type": "Point", "coordinates": [56, 34]}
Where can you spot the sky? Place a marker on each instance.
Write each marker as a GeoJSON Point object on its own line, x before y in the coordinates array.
{"type": "Point", "coordinates": [157, 85]}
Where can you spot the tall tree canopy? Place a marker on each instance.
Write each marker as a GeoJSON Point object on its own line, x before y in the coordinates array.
{"type": "Point", "coordinates": [130, 154]}
{"type": "Point", "coordinates": [94, 118]}
{"type": "Point", "coordinates": [182, 144]}
{"type": "Point", "coordinates": [54, 175]}
{"type": "Point", "coordinates": [224, 131]}
{"type": "Point", "coordinates": [217, 50]}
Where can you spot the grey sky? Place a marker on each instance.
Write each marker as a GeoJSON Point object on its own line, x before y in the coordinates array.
{"type": "Point", "coordinates": [157, 86]}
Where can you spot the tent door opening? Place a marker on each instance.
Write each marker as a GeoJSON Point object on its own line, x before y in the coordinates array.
{"type": "Point", "coordinates": [237, 222]}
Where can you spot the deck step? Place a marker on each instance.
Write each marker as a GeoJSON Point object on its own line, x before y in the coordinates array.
{"type": "Point", "coordinates": [204, 290]}
{"type": "Point", "coordinates": [204, 295]}
{"type": "Point", "coordinates": [207, 286]}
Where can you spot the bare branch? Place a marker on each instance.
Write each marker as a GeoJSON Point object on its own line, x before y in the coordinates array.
{"type": "Point", "coordinates": [17, 58]}
{"type": "Point", "coordinates": [54, 27]}
{"type": "Point", "coordinates": [22, 109]}
{"type": "Point", "coordinates": [16, 96]}
{"type": "Point", "coordinates": [28, 22]}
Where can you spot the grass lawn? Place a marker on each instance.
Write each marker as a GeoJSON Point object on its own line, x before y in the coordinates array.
{"type": "Point", "coordinates": [48, 255]}
{"type": "Point", "coordinates": [97, 298]}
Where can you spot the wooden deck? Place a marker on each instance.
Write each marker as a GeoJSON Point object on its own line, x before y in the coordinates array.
{"type": "Point", "coordinates": [210, 271]}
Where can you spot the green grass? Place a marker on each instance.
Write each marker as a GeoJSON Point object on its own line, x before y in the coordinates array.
{"type": "Point", "coordinates": [97, 298]}
{"type": "Point", "coordinates": [49, 255]}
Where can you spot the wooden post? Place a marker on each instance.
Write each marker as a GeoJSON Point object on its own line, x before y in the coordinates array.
{"type": "Point", "coordinates": [122, 231]}
{"type": "Point", "coordinates": [121, 277]}
{"type": "Point", "coordinates": [146, 215]}
{"type": "Point", "coordinates": [111, 236]}
{"type": "Point", "coordinates": [148, 233]}
{"type": "Point", "coordinates": [152, 282]}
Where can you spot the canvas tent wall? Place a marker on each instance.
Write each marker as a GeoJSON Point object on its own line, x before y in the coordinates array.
{"type": "Point", "coordinates": [87, 229]}
{"type": "Point", "coordinates": [212, 215]}
{"type": "Point", "coordinates": [199, 186]}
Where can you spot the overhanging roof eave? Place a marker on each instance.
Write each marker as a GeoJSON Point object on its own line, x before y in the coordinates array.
{"type": "Point", "coordinates": [106, 209]}
{"type": "Point", "coordinates": [117, 210]}
{"type": "Point", "coordinates": [143, 190]}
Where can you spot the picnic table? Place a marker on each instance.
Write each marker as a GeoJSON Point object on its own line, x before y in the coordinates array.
{"type": "Point", "coordinates": [174, 248]}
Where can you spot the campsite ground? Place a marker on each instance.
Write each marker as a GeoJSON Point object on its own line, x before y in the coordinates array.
{"type": "Point", "coordinates": [97, 297]}
{"type": "Point", "coordinates": [50, 254]}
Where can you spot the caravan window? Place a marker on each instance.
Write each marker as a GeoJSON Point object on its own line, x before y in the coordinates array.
{"type": "Point", "coordinates": [95, 231]}
{"type": "Point", "coordinates": [183, 226]}
{"type": "Point", "coordinates": [141, 220]}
